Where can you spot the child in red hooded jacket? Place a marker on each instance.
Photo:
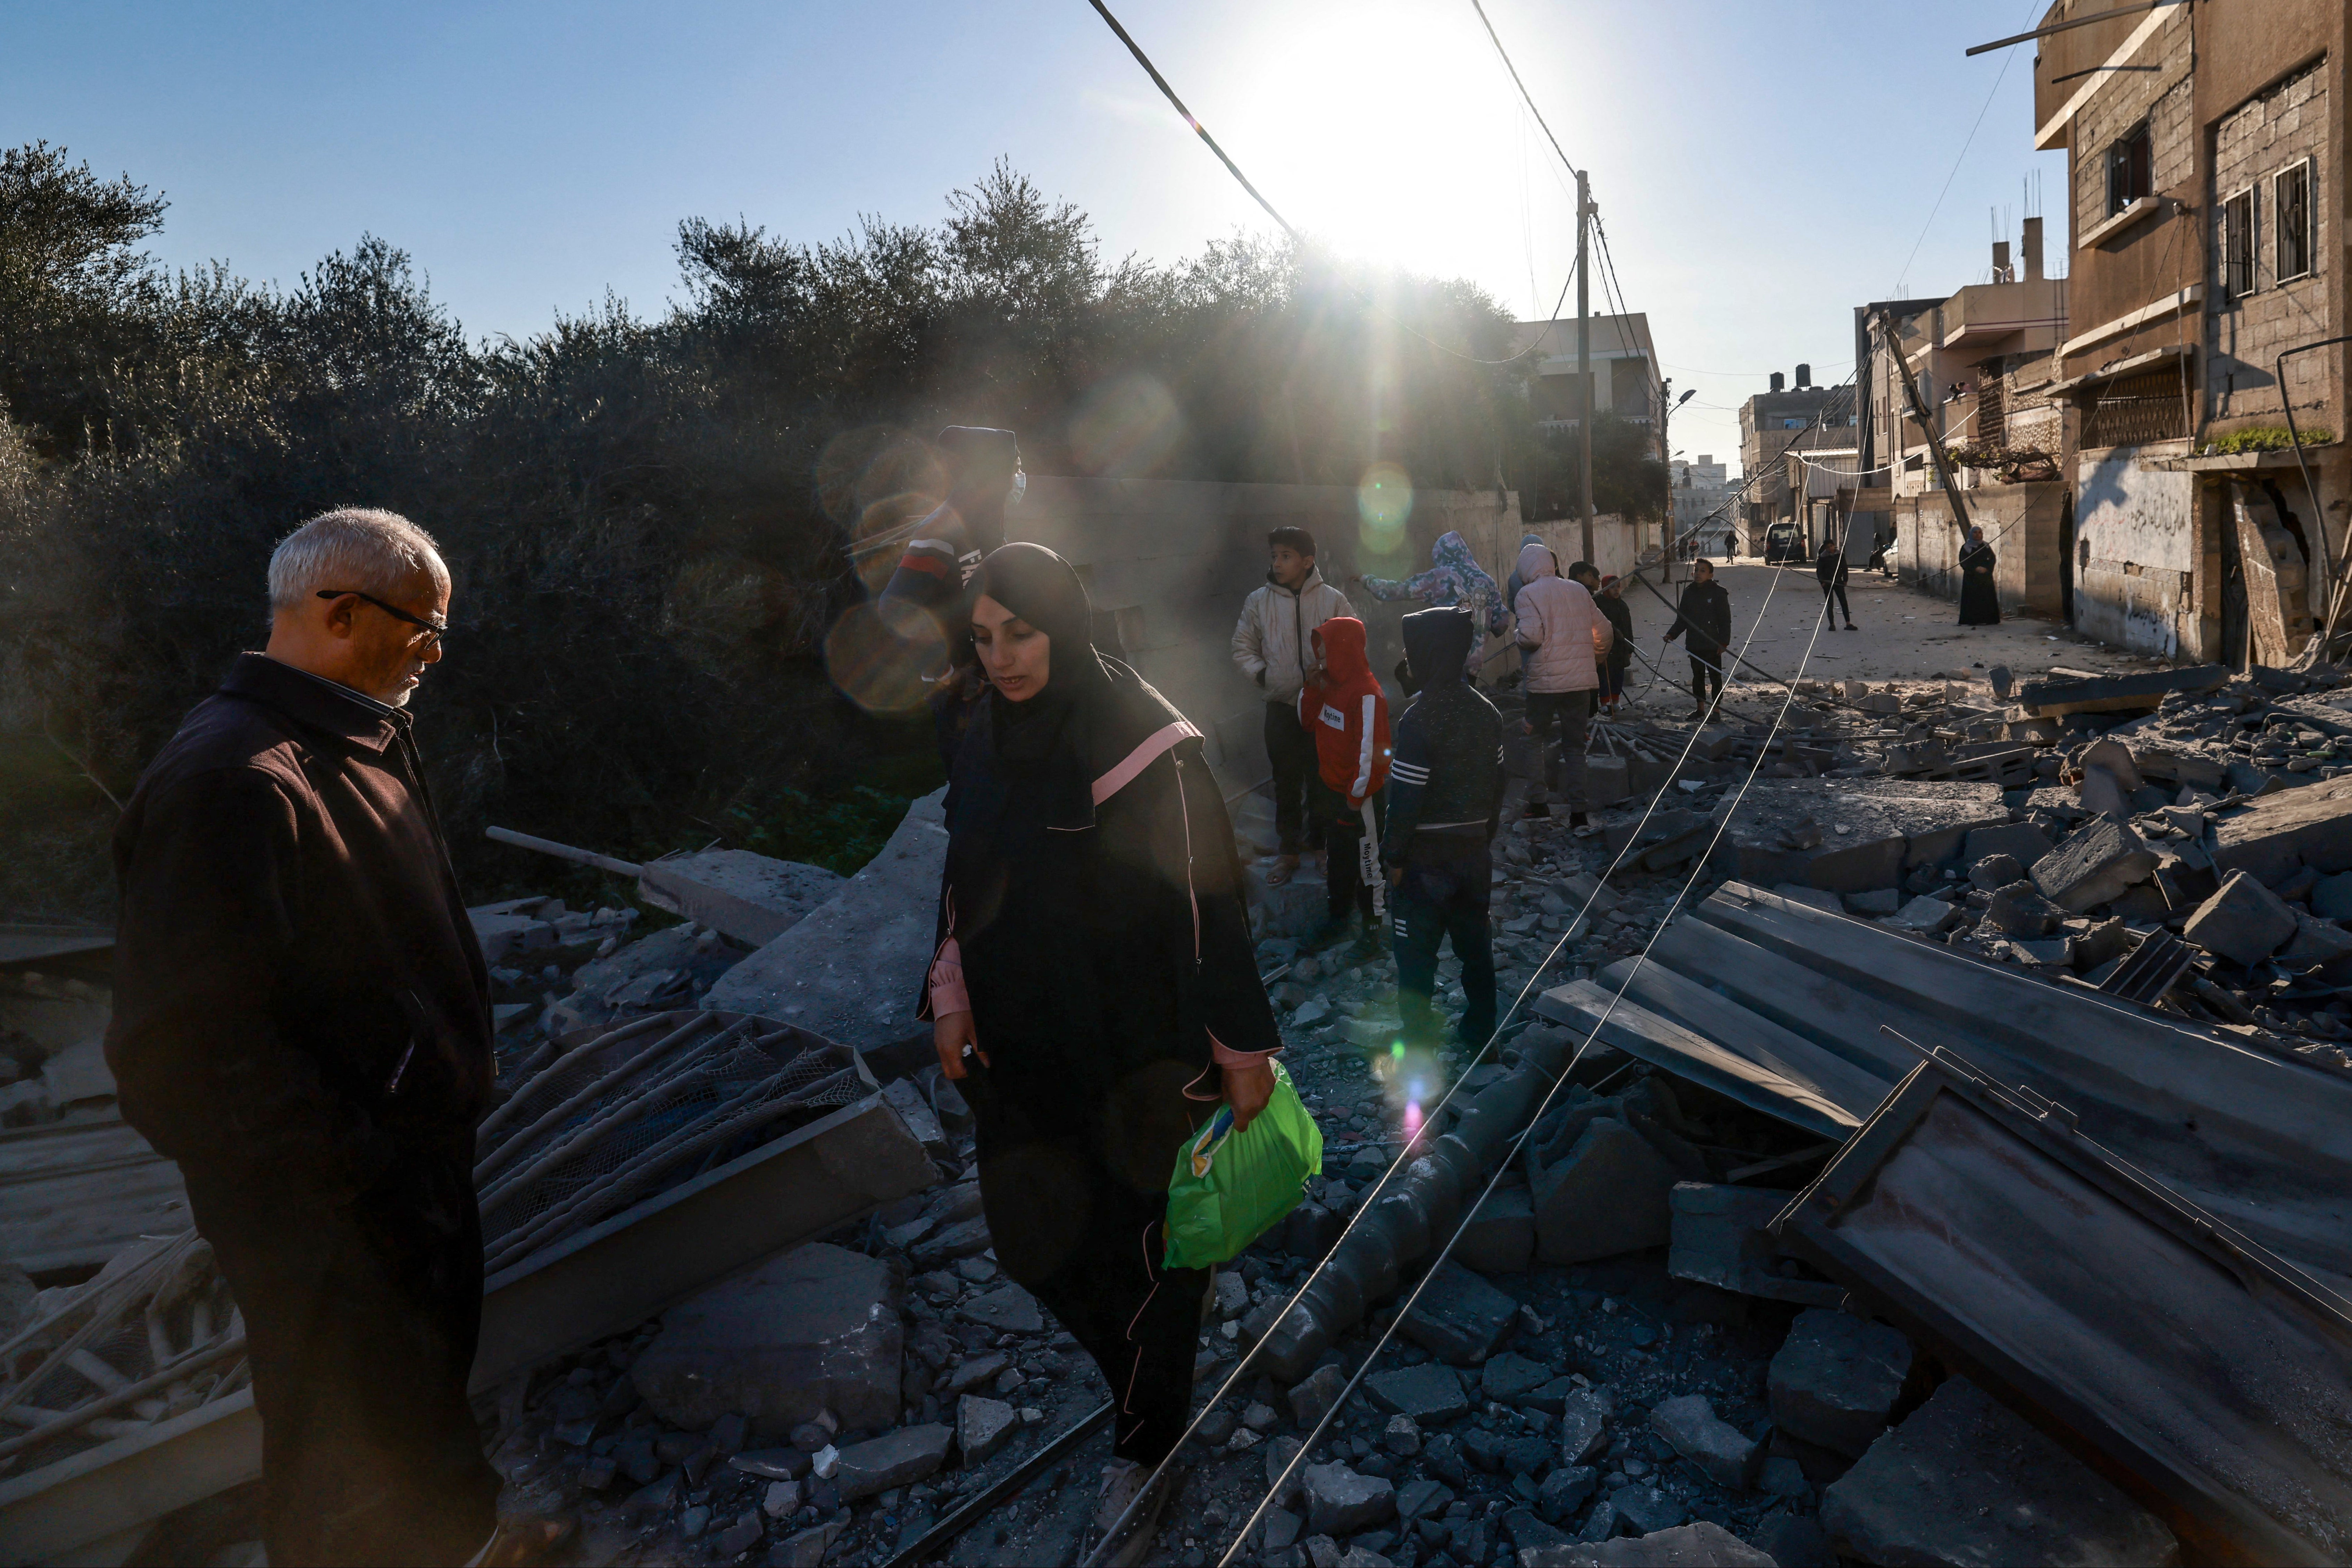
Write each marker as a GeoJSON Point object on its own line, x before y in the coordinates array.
{"type": "Point", "coordinates": [1346, 712]}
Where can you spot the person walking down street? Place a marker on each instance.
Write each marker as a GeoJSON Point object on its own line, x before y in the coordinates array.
{"type": "Point", "coordinates": [1454, 578]}
{"type": "Point", "coordinates": [1979, 603]}
{"type": "Point", "coordinates": [1705, 612]}
{"type": "Point", "coordinates": [1828, 566]}
{"type": "Point", "coordinates": [302, 1021]}
{"type": "Point", "coordinates": [1094, 990]}
{"type": "Point", "coordinates": [1445, 802]}
{"type": "Point", "coordinates": [1562, 636]}
{"type": "Point", "coordinates": [1270, 645]}
{"type": "Point", "coordinates": [1611, 604]}
{"type": "Point", "coordinates": [1347, 714]}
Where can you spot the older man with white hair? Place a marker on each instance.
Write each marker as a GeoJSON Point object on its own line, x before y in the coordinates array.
{"type": "Point", "coordinates": [301, 1020]}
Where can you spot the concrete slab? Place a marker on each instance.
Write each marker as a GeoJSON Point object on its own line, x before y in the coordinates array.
{"type": "Point", "coordinates": [852, 968]}
{"type": "Point", "coordinates": [1872, 830]}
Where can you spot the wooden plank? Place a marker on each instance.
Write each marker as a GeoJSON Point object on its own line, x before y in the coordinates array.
{"type": "Point", "coordinates": [59, 1510]}
{"type": "Point", "coordinates": [1750, 1036]}
{"type": "Point", "coordinates": [2264, 1140]}
{"type": "Point", "coordinates": [1634, 1028]}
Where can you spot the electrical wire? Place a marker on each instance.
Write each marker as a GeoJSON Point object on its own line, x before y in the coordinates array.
{"type": "Point", "coordinates": [1296, 239]}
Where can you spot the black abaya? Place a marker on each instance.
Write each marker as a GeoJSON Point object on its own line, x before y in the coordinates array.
{"type": "Point", "coordinates": [1095, 901]}
{"type": "Point", "coordinates": [1979, 605]}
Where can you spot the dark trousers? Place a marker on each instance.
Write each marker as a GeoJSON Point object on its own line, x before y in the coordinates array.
{"type": "Point", "coordinates": [1612, 684]}
{"type": "Point", "coordinates": [1568, 712]}
{"type": "Point", "coordinates": [1705, 667]}
{"type": "Point", "coordinates": [1343, 838]}
{"type": "Point", "coordinates": [1443, 895]}
{"type": "Point", "coordinates": [1291, 750]}
{"type": "Point", "coordinates": [1836, 590]}
{"type": "Point", "coordinates": [1086, 1240]}
{"type": "Point", "coordinates": [361, 1318]}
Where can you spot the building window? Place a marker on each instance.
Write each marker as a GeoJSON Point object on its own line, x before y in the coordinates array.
{"type": "Point", "coordinates": [2130, 170]}
{"type": "Point", "coordinates": [2238, 246]}
{"type": "Point", "coordinates": [2291, 199]}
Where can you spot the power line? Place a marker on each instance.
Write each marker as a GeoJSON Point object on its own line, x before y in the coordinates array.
{"type": "Point", "coordinates": [1522, 86]}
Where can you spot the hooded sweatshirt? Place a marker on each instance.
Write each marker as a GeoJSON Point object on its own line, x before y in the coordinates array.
{"type": "Point", "coordinates": [1346, 713]}
{"type": "Point", "coordinates": [1518, 577]}
{"type": "Point", "coordinates": [1558, 621]}
{"type": "Point", "coordinates": [1270, 639]}
{"type": "Point", "coordinates": [1447, 774]}
{"type": "Point", "coordinates": [1454, 577]}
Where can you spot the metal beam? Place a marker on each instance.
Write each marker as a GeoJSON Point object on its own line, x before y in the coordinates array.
{"type": "Point", "coordinates": [2069, 26]}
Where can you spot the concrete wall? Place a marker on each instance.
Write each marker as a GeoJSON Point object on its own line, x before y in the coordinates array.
{"type": "Point", "coordinates": [2136, 551]}
{"type": "Point", "coordinates": [1176, 558]}
{"type": "Point", "coordinates": [2284, 125]}
{"type": "Point", "coordinates": [2022, 525]}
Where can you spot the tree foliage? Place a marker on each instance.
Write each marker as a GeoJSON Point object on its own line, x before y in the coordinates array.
{"type": "Point", "coordinates": [651, 519]}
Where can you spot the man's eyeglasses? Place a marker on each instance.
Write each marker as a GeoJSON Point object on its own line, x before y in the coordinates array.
{"type": "Point", "coordinates": [434, 630]}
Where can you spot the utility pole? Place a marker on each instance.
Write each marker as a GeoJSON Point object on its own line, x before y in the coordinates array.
{"type": "Point", "coordinates": [1666, 461]}
{"type": "Point", "coordinates": [1584, 353]}
{"type": "Point", "coordinates": [1927, 425]}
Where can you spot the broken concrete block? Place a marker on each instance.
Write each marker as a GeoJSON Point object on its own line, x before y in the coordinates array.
{"type": "Point", "coordinates": [2057, 696]}
{"type": "Point", "coordinates": [1877, 901]}
{"type": "Point", "coordinates": [2331, 897]}
{"type": "Point", "coordinates": [1813, 897]}
{"type": "Point", "coordinates": [1431, 1392]}
{"type": "Point", "coordinates": [1878, 828]}
{"type": "Point", "coordinates": [982, 1425]}
{"type": "Point", "coordinates": [2096, 864]}
{"type": "Point", "coordinates": [1508, 1378]}
{"type": "Point", "coordinates": [1705, 1544]}
{"type": "Point", "coordinates": [1341, 1502]}
{"type": "Point", "coordinates": [1312, 1398]}
{"type": "Point", "coordinates": [1648, 1508]}
{"type": "Point", "coordinates": [814, 1329]}
{"type": "Point", "coordinates": [2315, 941]}
{"type": "Point", "coordinates": [1965, 1481]}
{"type": "Point", "coordinates": [2102, 795]}
{"type": "Point", "coordinates": [2244, 923]}
{"type": "Point", "coordinates": [2308, 827]}
{"type": "Point", "coordinates": [841, 970]}
{"type": "Point", "coordinates": [2112, 755]}
{"type": "Point", "coordinates": [1008, 1309]}
{"type": "Point", "coordinates": [1608, 1197]}
{"type": "Point", "coordinates": [1927, 915]}
{"type": "Point", "coordinates": [1727, 1455]}
{"type": "Point", "coordinates": [895, 1460]}
{"type": "Point", "coordinates": [506, 937]}
{"type": "Point", "coordinates": [1995, 871]}
{"type": "Point", "coordinates": [1500, 1236]}
{"type": "Point", "coordinates": [1584, 1424]}
{"type": "Point", "coordinates": [1459, 1317]}
{"type": "Point", "coordinates": [2108, 939]}
{"type": "Point", "coordinates": [749, 897]}
{"type": "Point", "coordinates": [2019, 910]}
{"type": "Point", "coordinates": [1835, 1379]}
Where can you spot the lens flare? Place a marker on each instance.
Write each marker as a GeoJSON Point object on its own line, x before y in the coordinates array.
{"type": "Point", "coordinates": [1126, 428]}
{"type": "Point", "coordinates": [1384, 505]}
{"type": "Point", "coordinates": [879, 654]}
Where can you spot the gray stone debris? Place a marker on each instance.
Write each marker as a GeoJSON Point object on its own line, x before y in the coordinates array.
{"type": "Point", "coordinates": [1836, 1378]}
{"type": "Point", "coordinates": [1458, 1317]}
{"type": "Point", "coordinates": [1723, 1453]}
{"type": "Point", "coordinates": [1430, 1394]}
{"type": "Point", "coordinates": [1996, 871]}
{"type": "Point", "coordinates": [982, 1425]}
{"type": "Point", "coordinates": [847, 970]}
{"type": "Point", "coordinates": [2245, 922]}
{"type": "Point", "coordinates": [1311, 1397]}
{"type": "Point", "coordinates": [1965, 1481]}
{"type": "Point", "coordinates": [1508, 1378]}
{"type": "Point", "coordinates": [1701, 1545]}
{"type": "Point", "coordinates": [1584, 1424]}
{"type": "Point", "coordinates": [1500, 1237]}
{"type": "Point", "coordinates": [1008, 1308]}
{"type": "Point", "coordinates": [1340, 1502]}
{"type": "Point", "coordinates": [1648, 1508]}
{"type": "Point", "coordinates": [2094, 866]}
{"type": "Point", "coordinates": [814, 1329]}
{"type": "Point", "coordinates": [1608, 1197]}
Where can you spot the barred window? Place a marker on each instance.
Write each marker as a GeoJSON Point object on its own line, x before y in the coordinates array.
{"type": "Point", "coordinates": [2292, 201]}
{"type": "Point", "coordinates": [2238, 246]}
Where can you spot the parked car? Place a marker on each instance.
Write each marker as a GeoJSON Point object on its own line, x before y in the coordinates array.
{"type": "Point", "coordinates": [1782, 542]}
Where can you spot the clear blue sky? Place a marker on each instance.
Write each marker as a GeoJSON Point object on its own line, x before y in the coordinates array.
{"type": "Point", "coordinates": [1761, 169]}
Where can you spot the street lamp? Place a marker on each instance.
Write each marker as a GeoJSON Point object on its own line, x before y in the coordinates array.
{"type": "Point", "coordinates": [1665, 409]}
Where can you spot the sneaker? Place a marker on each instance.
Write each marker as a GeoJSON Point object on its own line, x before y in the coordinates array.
{"type": "Point", "coordinates": [1123, 1484]}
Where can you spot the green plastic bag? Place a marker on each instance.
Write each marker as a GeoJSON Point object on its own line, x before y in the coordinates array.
{"type": "Point", "coordinates": [1230, 1188]}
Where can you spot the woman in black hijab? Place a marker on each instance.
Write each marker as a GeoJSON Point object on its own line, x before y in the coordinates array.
{"type": "Point", "coordinates": [1979, 605]}
{"type": "Point", "coordinates": [1095, 991]}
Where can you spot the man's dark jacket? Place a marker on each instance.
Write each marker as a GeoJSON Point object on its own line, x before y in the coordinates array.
{"type": "Point", "coordinates": [299, 994]}
{"type": "Point", "coordinates": [1446, 765]}
{"type": "Point", "coordinates": [1705, 612]}
{"type": "Point", "coordinates": [1621, 620]}
{"type": "Point", "coordinates": [1830, 564]}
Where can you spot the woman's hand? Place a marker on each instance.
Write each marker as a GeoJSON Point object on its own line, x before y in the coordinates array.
{"type": "Point", "coordinates": [1247, 1090]}
{"type": "Point", "coordinates": [949, 1034]}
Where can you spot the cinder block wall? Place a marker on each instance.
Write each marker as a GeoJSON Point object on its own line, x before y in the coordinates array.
{"type": "Point", "coordinates": [2021, 523]}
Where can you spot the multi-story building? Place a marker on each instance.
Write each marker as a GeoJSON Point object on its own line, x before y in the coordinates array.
{"type": "Point", "coordinates": [1979, 367]}
{"type": "Point", "coordinates": [1705, 507]}
{"type": "Point", "coordinates": [1624, 372]}
{"type": "Point", "coordinates": [2205, 154]}
{"type": "Point", "coordinates": [1769, 424]}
